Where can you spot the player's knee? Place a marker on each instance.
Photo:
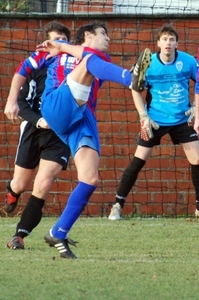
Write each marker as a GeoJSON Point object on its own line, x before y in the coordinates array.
{"type": "Point", "coordinates": [91, 180]}
{"type": "Point", "coordinates": [41, 188]}
{"type": "Point", "coordinates": [18, 187]}
{"type": "Point", "coordinates": [194, 160]}
{"type": "Point", "coordinates": [94, 181]}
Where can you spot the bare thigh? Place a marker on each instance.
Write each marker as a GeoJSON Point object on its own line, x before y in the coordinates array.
{"type": "Point", "coordinates": [192, 152]}
{"type": "Point", "coordinates": [143, 152]}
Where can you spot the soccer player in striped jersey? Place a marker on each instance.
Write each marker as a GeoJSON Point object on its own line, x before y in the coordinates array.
{"type": "Point", "coordinates": [38, 146]}
{"type": "Point", "coordinates": [65, 109]}
{"type": "Point", "coordinates": [168, 110]}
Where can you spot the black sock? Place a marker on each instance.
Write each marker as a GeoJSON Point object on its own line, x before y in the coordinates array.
{"type": "Point", "coordinates": [129, 177]}
{"type": "Point", "coordinates": [195, 180]}
{"type": "Point", "coordinates": [197, 204]}
{"type": "Point", "coordinates": [30, 217]}
{"type": "Point", "coordinates": [120, 200]}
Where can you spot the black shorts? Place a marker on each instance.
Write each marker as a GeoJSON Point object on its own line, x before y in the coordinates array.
{"type": "Point", "coordinates": [37, 143]}
{"type": "Point", "coordinates": [181, 133]}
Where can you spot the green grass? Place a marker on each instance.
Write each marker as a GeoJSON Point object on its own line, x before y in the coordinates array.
{"type": "Point", "coordinates": [135, 259]}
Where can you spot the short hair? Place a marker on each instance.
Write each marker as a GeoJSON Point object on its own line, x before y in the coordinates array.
{"type": "Point", "coordinates": [169, 30]}
{"type": "Point", "coordinates": [80, 34]}
{"type": "Point", "coordinates": [57, 27]}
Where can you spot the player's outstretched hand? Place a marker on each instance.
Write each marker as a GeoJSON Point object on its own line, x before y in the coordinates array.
{"type": "Point", "coordinates": [146, 126]}
{"type": "Point", "coordinates": [52, 47]}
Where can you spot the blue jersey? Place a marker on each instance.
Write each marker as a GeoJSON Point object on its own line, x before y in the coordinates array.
{"type": "Point", "coordinates": [77, 124]}
{"type": "Point", "coordinates": [168, 88]}
{"type": "Point", "coordinates": [58, 68]}
{"type": "Point", "coordinates": [197, 77]}
{"type": "Point", "coordinates": [55, 68]}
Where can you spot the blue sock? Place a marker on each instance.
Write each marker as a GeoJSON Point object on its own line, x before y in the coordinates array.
{"type": "Point", "coordinates": [78, 199]}
{"type": "Point", "coordinates": [108, 71]}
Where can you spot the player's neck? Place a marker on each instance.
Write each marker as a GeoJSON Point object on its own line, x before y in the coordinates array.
{"type": "Point", "coordinates": [167, 59]}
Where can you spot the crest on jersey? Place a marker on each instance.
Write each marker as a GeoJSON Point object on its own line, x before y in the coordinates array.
{"type": "Point", "coordinates": [179, 65]}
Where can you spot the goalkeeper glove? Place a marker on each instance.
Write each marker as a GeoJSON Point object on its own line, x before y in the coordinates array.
{"type": "Point", "coordinates": [191, 113]}
{"type": "Point", "coordinates": [146, 126]}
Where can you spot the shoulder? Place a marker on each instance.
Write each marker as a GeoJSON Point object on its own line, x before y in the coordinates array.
{"type": "Point", "coordinates": [185, 56]}
{"type": "Point", "coordinates": [102, 55]}
{"type": "Point", "coordinates": [38, 54]}
{"type": "Point", "coordinates": [155, 59]}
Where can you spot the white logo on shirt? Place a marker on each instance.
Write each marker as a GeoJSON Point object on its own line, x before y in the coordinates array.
{"type": "Point", "coordinates": [179, 65]}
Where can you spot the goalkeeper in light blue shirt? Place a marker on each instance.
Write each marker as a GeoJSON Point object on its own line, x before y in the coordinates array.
{"type": "Point", "coordinates": [167, 110]}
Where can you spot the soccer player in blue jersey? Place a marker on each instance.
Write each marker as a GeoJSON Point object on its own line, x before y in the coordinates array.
{"type": "Point", "coordinates": [167, 110]}
{"type": "Point", "coordinates": [69, 110]}
{"type": "Point", "coordinates": [196, 123]}
{"type": "Point", "coordinates": [38, 146]}
{"type": "Point", "coordinates": [196, 119]}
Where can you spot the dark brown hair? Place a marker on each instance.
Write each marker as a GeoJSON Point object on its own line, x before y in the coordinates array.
{"type": "Point", "coordinates": [80, 34]}
{"type": "Point", "coordinates": [57, 27]}
{"type": "Point", "coordinates": [169, 30]}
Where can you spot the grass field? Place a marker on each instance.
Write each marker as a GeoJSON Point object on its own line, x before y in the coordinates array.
{"type": "Point", "coordinates": [133, 259]}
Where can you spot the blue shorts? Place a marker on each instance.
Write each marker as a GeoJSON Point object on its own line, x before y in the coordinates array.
{"type": "Point", "coordinates": [84, 134]}
{"type": "Point", "coordinates": [75, 126]}
{"type": "Point", "coordinates": [60, 109]}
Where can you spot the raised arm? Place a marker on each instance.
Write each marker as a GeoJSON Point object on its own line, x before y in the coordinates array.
{"type": "Point", "coordinates": [146, 122]}
{"type": "Point", "coordinates": [12, 109]}
{"type": "Point", "coordinates": [54, 48]}
{"type": "Point", "coordinates": [139, 102]}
